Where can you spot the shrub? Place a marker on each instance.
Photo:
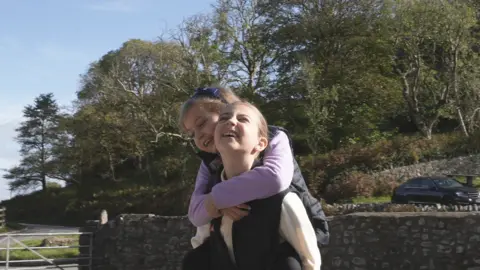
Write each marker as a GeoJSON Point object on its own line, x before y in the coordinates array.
{"type": "Point", "coordinates": [348, 185]}
{"type": "Point", "coordinates": [384, 186]}
{"type": "Point", "coordinates": [328, 173]}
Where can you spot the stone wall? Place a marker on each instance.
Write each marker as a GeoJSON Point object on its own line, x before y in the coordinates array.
{"type": "Point", "coordinates": [460, 165]}
{"type": "Point", "coordinates": [370, 241]}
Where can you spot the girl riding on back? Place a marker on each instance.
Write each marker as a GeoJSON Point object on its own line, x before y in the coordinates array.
{"type": "Point", "coordinates": [199, 117]}
{"type": "Point", "coordinates": [240, 136]}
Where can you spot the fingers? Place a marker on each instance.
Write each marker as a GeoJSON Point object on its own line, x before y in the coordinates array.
{"type": "Point", "coordinates": [234, 213]}
{"type": "Point", "coordinates": [244, 207]}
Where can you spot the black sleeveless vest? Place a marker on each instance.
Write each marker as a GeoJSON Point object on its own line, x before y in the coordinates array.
{"type": "Point", "coordinates": [298, 186]}
{"type": "Point", "coordinates": [255, 237]}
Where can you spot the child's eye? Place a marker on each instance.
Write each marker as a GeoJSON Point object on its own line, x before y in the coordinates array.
{"type": "Point", "coordinates": [223, 118]}
{"type": "Point", "coordinates": [200, 125]}
{"type": "Point", "coordinates": [243, 119]}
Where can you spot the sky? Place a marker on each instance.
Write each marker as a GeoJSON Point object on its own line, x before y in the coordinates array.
{"type": "Point", "coordinates": [46, 44]}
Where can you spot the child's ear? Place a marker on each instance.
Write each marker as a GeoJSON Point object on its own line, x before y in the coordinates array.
{"type": "Point", "coordinates": [262, 144]}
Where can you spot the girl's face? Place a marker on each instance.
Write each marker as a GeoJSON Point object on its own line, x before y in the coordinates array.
{"type": "Point", "coordinates": [238, 130]}
{"type": "Point", "coordinates": [200, 123]}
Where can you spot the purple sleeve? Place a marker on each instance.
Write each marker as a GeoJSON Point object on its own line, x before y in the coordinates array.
{"type": "Point", "coordinates": [196, 211]}
{"type": "Point", "coordinates": [264, 181]}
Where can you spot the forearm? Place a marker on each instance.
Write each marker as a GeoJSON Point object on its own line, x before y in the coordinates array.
{"type": "Point", "coordinates": [197, 214]}
{"type": "Point", "coordinates": [274, 176]}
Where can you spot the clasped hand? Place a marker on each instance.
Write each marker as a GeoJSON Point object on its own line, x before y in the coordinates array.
{"type": "Point", "coordinates": [235, 213]}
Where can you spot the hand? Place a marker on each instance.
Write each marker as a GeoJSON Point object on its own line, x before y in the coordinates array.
{"type": "Point", "coordinates": [236, 212]}
{"type": "Point", "coordinates": [209, 205]}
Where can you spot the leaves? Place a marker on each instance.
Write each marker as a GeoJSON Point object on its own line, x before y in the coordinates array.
{"type": "Point", "coordinates": [336, 74]}
{"type": "Point", "coordinates": [36, 135]}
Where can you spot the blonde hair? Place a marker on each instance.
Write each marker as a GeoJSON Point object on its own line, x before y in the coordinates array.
{"type": "Point", "coordinates": [210, 104]}
{"type": "Point", "coordinates": [262, 125]}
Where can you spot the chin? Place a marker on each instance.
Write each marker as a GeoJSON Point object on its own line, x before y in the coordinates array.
{"type": "Point", "coordinates": [208, 149]}
{"type": "Point", "coordinates": [211, 149]}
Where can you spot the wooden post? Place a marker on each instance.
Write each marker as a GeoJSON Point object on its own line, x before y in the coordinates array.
{"type": "Point", "coordinates": [469, 180]}
{"type": "Point", "coordinates": [3, 222]}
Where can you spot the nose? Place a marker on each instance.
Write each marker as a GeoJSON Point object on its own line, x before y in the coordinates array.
{"type": "Point", "coordinates": [232, 121]}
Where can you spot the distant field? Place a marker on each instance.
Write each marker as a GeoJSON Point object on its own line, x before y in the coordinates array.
{"type": "Point", "coordinates": [25, 254]}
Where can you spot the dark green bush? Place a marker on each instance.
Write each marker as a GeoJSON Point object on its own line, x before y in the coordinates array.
{"type": "Point", "coordinates": [343, 173]}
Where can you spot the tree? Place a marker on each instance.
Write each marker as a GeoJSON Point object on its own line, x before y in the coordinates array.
{"type": "Point", "coordinates": [461, 61]}
{"type": "Point", "coordinates": [418, 40]}
{"type": "Point", "coordinates": [36, 135]}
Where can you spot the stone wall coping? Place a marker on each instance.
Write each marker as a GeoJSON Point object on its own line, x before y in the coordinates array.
{"type": "Point", "coordinates": [412, 214]}
{"type": "Point", "coordinates": [356, 214]}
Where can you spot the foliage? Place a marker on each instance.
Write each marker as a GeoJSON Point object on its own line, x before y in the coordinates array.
{"type": "Point", "coordinates": [36, 135]}
{"type": "Point", "coordinates": [345, 172]}
{"type": "Point", "coordinates": [361, 85]}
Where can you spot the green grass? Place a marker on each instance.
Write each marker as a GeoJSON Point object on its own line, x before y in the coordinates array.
{"type": "Point", "coordinates": [381, 199]}
{"type": "Point", "coordinates": [476, 182]}
{"type": "Point", "coordinates": [48, 253]}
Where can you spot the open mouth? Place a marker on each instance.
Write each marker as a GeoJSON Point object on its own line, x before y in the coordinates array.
{"type": "Point", "coordinates": [230, 134]}
{"type": "Point", "coordinates": [207, 142]}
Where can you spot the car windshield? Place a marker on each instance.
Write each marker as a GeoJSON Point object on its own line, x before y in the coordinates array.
{"type": "Point", "coordinates": [447, 183]}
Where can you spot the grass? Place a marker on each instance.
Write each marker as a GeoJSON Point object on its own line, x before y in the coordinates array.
{"type": "Point", "coordinates": [381, 199]}
{"type": "Point", "coordinates": [476, 182]}
{"type": "Point", "coordinates": [25, 254]}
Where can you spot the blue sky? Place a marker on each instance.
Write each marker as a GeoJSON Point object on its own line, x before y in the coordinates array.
{"type": "Point", "coordinates": [46, 44]}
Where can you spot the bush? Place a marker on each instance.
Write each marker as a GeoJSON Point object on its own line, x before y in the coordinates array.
{"type": "Point", "coordinates": [329, 174]}
{"type": "Point", "coordinates": [384, 186]}
{"type": "Point", "coordinates": [350, 184]}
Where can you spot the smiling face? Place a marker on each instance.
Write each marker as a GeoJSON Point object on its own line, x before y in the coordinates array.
{"type": "Point", "coordinates": [200, 122]}
{"type": "Point", "coordinates": [240, 129]}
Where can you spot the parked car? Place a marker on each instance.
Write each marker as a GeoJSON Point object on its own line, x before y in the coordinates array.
{"type": "Point", "coordinates": [435, 189]}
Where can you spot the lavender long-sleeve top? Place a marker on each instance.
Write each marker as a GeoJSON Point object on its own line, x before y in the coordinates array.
{"type": "Point", "coordinates": [264, 181]}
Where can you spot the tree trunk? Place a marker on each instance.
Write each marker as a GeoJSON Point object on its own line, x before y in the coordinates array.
{"type": "Point", "coordinates": [455, 89]}
{"type": "Point", "coordinates": [44, 182]}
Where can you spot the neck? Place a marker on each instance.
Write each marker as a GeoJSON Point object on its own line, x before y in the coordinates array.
{"type": "Point", "coordinates": [235, 165]}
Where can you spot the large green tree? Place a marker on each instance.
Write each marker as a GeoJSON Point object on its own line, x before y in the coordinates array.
{"type": "Point", "coordinates": [36, 135]}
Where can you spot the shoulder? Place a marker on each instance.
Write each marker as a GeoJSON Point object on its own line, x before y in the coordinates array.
{"type": "Point", "coordinates": [278, 134]}
{"type": "Point", "coordinates": [292, 202]}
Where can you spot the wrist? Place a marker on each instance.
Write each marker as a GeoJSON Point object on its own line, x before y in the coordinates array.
{"type": "Point", "coordinates": [212, 210]}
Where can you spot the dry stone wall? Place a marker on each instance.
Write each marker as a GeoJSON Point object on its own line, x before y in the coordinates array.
{"type": "Point", "coordinates": [468, 165]}
{"type": "Point", "coordinates": [359, 241]}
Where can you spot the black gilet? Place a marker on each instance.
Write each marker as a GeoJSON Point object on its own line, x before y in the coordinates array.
{"type": "Point", "coordinates": [255, 237]}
